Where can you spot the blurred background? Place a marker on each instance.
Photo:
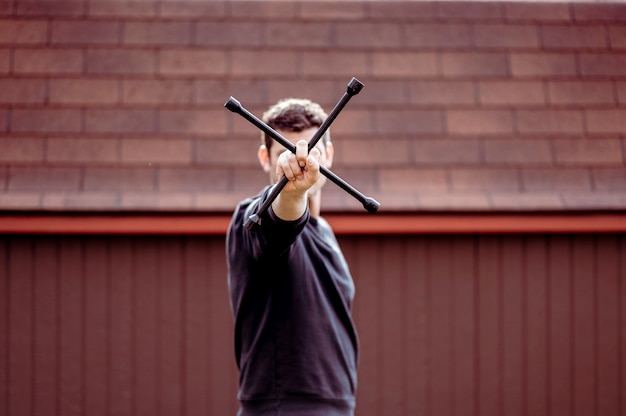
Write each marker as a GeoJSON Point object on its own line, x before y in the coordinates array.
{"type": "Point", "coordinates": [493, 133]}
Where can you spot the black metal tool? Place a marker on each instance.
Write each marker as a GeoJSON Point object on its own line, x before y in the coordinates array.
{"type": "Point", "coordinates": [354, 87]}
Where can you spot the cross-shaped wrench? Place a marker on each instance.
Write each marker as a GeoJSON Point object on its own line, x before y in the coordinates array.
{"type": "Point", "coordinates": [354, 86]}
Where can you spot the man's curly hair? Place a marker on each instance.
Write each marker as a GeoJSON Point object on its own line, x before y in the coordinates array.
{"type": "Point", "coordinates": [293, 114]}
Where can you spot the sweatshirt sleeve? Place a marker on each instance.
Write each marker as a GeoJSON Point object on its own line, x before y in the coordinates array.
{"type": "Point", "coordinates": [272, 237]}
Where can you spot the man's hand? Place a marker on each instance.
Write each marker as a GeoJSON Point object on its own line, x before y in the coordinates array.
{"type": "Point", "coordinates": [302, 169]}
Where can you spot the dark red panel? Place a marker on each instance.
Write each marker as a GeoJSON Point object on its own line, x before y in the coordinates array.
{"type": "Point", "coordinates": [489, 324]}
{"type": "Point", "coordinates": [536, 337]}
{"type": "Point", "coordinates": [71, 327]}
{"type": "Point", "coordinates": [96, 326]}
{"type": "Point", "coordinates": [46, 322]}
{"type": "Point", "coordinates": [459, 324]}
{"type": "Point", "coordinates": [560, 325]}
{"type": "Point", "coordinates": [20, 326]}
{"type": "Point", "coordinates": [121, 320]}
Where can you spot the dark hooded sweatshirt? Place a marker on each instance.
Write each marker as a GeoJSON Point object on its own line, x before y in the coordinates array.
{"type": "Point", "coordinates": [291, 293]}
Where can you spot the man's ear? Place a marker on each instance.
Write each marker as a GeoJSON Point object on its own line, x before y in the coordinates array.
{"type": "Point", "coordinates": [264, 158]}
{"type": "Point", "coordinates": [330, 153]}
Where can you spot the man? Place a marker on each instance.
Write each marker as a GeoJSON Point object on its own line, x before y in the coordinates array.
{"type": "Point", "coordinates": [290, 288]}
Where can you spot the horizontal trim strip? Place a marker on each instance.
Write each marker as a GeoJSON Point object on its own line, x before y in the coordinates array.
{"type": "Point", "coordinates": [378, 224]}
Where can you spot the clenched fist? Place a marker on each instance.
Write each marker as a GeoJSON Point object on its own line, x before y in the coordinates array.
{"type": "Point", "coordinates": [302, 169]}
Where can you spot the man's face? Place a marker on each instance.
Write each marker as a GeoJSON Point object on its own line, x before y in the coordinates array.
{"type": "Point", "coordinates": [268, 159]}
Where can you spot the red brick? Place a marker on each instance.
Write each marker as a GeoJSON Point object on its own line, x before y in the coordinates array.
{"type": "Point", "coordinates": [401, 10]}
{"type": "Point", "coordinates": [599, 12]}
{"type": "Point", "coordinates": [542, 64]}
{"type": "Point", "coordinates": [535, 11]}
{"type": "Point", "coordinates": [81, 150]}
{"type": "Point", "coordinates": [120, 121]}
{"type": "Point", "coordinates": [4, 120]}
{"type": "Point", "coordinates": [581, 92]}
{"type": "Point", "coordinates": [352, 10]}
{"type": "Point", "coordinates": [156, 151]}
{"type": "Point", "coordinates": [594, 200]}
{"type": "Point", "coordinates": [5, 61]}
{"type": "Point", "coordinates": [85, 32]}
{"type": "Point", "coordinates": [228, 153]}
{"type": "Point", "coordinates": [407, 179]}
{"type": "Point", "coordinates": [359, 35]}
{"type": "Point", "coordinates": [409, 121]}
{"type": "Point", "coordinates": [185, 62]}
{"type": "Point", "coordinates": [122, 8]}
{"type": "Point", "coordinates": [48, 61]}
{"type": "Point", "coordinates": [606, 121]}
{"type": "Point", "coordinates": [376, 93]}
{"type": "Point", "coordinates": [99, 179]}
{"type": "Point", "coordinates": [6, 7]}
{"type": "Point", "coordinates": [20, 200]}
{"type": "Point", "coordinates": [22, 91]}
{"type": "Point", "coordinates": [230, 33]}
{"type": "Point", "coordinates": [263, 9]}
{"type": "Point", "coordinates": [588, 152]}
{"type": "Point", "coordinates": [306, 34]}
{"type": "Point", "coordinates": [57, 8]}
{"type": "Point", "coordinates": [484, 179]}
{"type": "Point", "coordinates": [573, 37]}
{"type": "Point", "coordinates": [549, 121]}
{"type": "Point", "coordinates": [556, 179]}
{"type": "Point", "coordinates": [462, 201]}
{"type": "Point", "coordinates": [525, 201]}
{"type": "Point", "coordinates": [84, 91]}
{"type": "Point", "coordinates": [252, 180]}
{"type": "Point", "coordinates": [609, 179]}
{"type": "Point", "coordinates": [4, 176]}
{"type": "Point", "coordinates": [508, 36]}
{"type": "Point", "coordinates": [469, 10]}
{"type": "Point", "coordinates": [263, 62]}
{"type": "Point", "coordinates": [617, 36]}
{"type": "Point", "coordinates": [404, 64]}
{"type": "Point", "coordinates": [327, 62]}
{"type": "Point", "coordinates": [438, 35]}
{"type": "Point", "coordinates": [607, 64]}
{"type": "Point", "coordinates": [157, 33]}
{"type": "Point", "coordinates": [205, 122]}
{"type": "Point", "coordinates": [45, 120]}
{"type": "Point", "coordinates": [250, 92]}
{"type": "Point", "coordinates": [390, 152]}
{"type": "Point", "coordinates": [121, 61]}
{"type": "Point", "coordinates": [517, 93]}
{"type": "Point", "coordinates": [84, 201]}
{"type": "Point", "coordinates": [474, 64]}
{"type": "Point", "coordinates": [353, 121]}
{"type": "Point", "coordinates": [518, 152]}
{"type": "Point", "coordinates": [44, 178]}
{"type": "Point", "coordinates": [156, 91]}
{"type": "Point", "coordinates": [192, 8]}
{"type": "Point", "coordinates": [23, 149]}
{"type": "Point", "coordinates": [324, 92]}
{"type": "Point", "coordinates": [175, 201]}
{"type": "Point", "coordinates": [446, 151]}
{"type": "Point", "coordinates": [21, 32]}
{"type": "Point", "coordinates": [194, 180]}
{"type": "Point", "coordinates": [479, 122]}
{"type": "Point", "coordinates": [621, 92]}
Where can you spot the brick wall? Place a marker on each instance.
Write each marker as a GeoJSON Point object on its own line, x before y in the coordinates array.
{"type": "Point", "coordinates": [114, 105]}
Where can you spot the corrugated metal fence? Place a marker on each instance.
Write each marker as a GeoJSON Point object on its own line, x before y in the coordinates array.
{"type": "Point", "coordinates": [449, 325]}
